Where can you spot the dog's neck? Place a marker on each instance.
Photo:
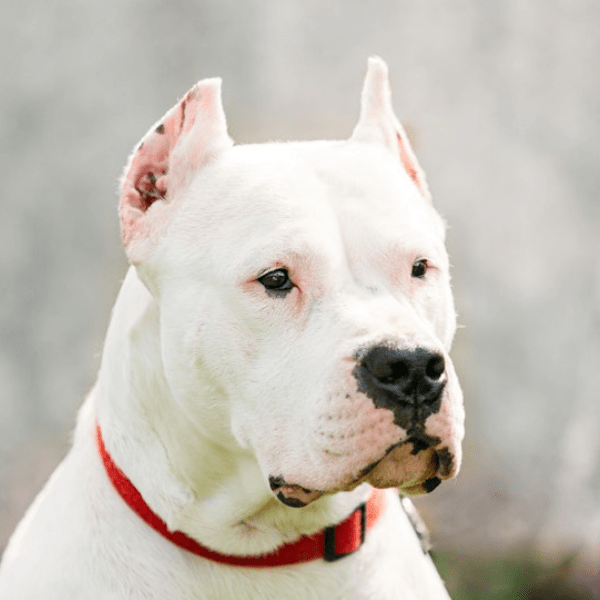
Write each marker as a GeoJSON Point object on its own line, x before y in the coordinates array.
{"type": "Point", "coordinates": [209, 489]}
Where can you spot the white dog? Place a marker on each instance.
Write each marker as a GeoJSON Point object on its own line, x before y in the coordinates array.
{"type": "Point", "coordinates": [277, 360]}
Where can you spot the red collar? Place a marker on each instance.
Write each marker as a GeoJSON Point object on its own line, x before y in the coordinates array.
{"type": "Point", "coordinates": [330, 544]}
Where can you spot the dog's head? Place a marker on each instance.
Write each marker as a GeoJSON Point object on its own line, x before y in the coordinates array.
{"type": "Point", "coordinates": [304, 296]}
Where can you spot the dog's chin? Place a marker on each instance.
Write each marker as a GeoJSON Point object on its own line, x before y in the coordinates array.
{"type": "Point", "coordinates": [413, 473]}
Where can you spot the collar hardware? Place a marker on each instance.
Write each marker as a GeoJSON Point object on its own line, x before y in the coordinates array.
{"type": "Point", "coordinates": [352, 533]}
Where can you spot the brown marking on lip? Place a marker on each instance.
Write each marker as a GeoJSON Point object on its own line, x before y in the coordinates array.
{"type": "Point", "coordinates": [445, 460]}
{"type": "Point", "coordinates": [368, 469]}
{"type": "Point", "coordinates": [372, 465]}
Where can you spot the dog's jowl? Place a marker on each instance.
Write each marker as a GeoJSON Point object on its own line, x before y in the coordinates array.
{"type": "Point", "coordinates": [276, 367]}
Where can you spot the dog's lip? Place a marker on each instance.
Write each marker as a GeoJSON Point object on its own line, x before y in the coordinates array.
{"type": "Point", "coordinates": [372, 465]}
{"type": "Point", "coordinates": [293, 495]}
{"type": "Point", "coordinates": [438, 465]}
{"type": "Point", "coordinates": [418, 439]}
{"type": "Point", "coordinates": [298, 496]}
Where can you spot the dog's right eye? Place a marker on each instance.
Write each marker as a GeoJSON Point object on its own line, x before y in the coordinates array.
{"type": "Point", "coordinates": [419, 268]}
{"type": "Point", "coordinates": [276, 281]}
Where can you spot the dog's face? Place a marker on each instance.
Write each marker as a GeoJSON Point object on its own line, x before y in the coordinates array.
{"type": "Point", "coordinates": [304, 296]}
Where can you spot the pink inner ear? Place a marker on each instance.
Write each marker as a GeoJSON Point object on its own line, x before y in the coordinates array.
{"type": "Point", "coordinates": [409, 165]}
{"type": "Point", "coordinates": [146, 180]}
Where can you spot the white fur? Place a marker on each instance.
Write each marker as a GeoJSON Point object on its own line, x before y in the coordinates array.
{"type": "Point", "coordinates": [209, 385]}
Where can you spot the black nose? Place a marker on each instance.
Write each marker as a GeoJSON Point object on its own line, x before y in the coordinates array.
{"type": "Point", "coordinates": [407, 381]}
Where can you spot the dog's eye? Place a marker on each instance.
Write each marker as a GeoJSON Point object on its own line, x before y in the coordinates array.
{"type": "Point", "coordinates": [276, 281]}
{"type": "Point", "coordinates": [419, 268]}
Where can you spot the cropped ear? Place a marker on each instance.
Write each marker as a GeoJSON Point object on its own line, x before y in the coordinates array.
{"type": "Point", "coordinates": [379, 125]}
{"type": "Point", "coordinates": [190, 135]}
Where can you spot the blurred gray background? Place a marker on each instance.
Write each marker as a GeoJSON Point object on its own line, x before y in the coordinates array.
{"type": "Point", "coordinates": [502, 100]}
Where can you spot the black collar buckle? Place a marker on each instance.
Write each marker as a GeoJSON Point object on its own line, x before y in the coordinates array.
{"type": "Point", "coordinates": [330, 554]}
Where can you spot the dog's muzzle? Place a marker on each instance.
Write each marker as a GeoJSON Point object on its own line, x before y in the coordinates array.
{"type": "Point", "coordinates": [409, 382]}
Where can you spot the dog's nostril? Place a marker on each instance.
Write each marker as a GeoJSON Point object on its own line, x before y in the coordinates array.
{"type": "Point", "coordinates": [399, 370]}
{"type": "Point", "coordinates": [384, 365]}
{"type": "Point", "coordinates": [390, 366]}
{"type": "Point", "coordinates": [435, 367]}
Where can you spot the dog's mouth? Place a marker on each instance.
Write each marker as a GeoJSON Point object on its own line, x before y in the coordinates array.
{"type": "Point", "coordinates": [293, 495]}
{"type": "Point", "coordinates": [416, 465]}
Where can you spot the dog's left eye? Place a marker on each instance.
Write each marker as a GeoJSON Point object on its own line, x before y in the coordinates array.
{"type": "Point", "coordinates": [276, 281]}
{"type": "Point", "coordinates": [419, 268]}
